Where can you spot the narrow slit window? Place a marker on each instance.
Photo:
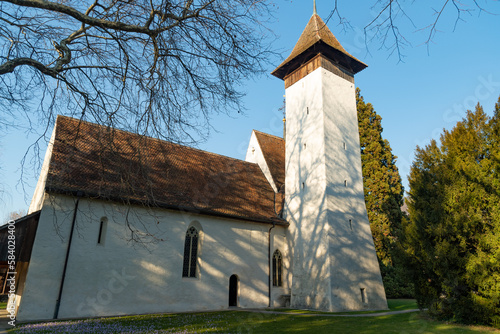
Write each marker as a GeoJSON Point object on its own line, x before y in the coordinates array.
{"type": "Point", "coordinates": [277, 268]}
{"type": "Point", "coordinates": [102, 231]}
{"type": "Point", "coordinates": [305, 146]}
{"type": "Point", "coordinates": [307, 110]}
{"type": "Point", "coordinates": [350, 224]}
{"type": "Point", "coordinates": [345, 146]}
{"type": "Point", "coordinates": [345, 183]}
{"type": "Point", "coordinates": [190, 253]}
{"type": "Point", "coordinates": [363, 296]}
{"type": "Point", "coordinates": [303, 185]}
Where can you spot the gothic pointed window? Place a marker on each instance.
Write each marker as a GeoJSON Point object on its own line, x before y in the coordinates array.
{"type": "Point", "coordinates": [190, 253]}
{"type": "Point", "coordinates": [277, 268]}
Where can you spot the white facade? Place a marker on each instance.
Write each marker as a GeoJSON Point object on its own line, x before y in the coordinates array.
{"type": "Point", "coordinates": [120, 276]}
{"type": "Point", "coordinates": [334, 262]}
{"type": "Point", "coordinates": [126, 259]}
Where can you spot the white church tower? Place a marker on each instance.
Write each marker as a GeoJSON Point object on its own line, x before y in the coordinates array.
{"type": "Point", "coordinates": [334, 265]}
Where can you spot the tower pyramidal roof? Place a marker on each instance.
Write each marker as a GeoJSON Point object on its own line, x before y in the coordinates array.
{"type": "Point", "coordinates": [315, 39]}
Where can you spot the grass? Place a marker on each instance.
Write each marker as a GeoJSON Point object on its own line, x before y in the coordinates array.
{"type": "Point", "coordinates": [248, 322]}
{"type": "Point", "coordinates": [402, 304]}
{"type": "Point", "coordinates": [3, 306]}
{"type": "Point", "coordinates": [393, 304]}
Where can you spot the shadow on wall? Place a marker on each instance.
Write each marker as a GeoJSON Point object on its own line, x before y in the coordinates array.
{"type": "Point", "coordinates": [135, 264]}
{"type": "Point", "coordinates": [334, 262]}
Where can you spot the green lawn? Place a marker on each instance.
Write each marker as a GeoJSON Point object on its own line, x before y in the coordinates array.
{"type": "Point", "coordinates": [402, 304]}
{"type": "Point", "coordinates": [3, 306]}
{"type": "Point", "coordinates": [248, 322]}
{"type": "Point", "coordinates": [393, 304]}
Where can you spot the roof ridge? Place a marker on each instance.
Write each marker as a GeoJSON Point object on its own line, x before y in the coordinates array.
{"type": "Point", "coordinates": [30, 215]}
{"type": "Point", "coordinates": [322, 28]}
{"type": "Point", "coordinates": [168, 175]}
{"type": "Point", "coordinates": [270, 161]}
{"type": "Point", "coordinates": [268, 134]}
{"type": "Point", "coordinates": [153, 138]}
{"type": "Point", "coordinates": [316, 25]}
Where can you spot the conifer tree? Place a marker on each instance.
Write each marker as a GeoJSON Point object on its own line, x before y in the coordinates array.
{"type": "Point", "coordinates": [382, 183]}
{"type": "Point", "coordinates": [483, 265]}
{"type": "Point", "coordinates": [425, 210]}
{"type": "Point", "coordinates": [453, 238]}
{"type": "Point", "coordinates": [383, 197]}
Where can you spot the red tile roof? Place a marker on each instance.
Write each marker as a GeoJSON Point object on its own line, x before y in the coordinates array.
{"type": "Point", "coordinates": [273, 149]}
{"type": "Point", "coordinates": [121, 166]}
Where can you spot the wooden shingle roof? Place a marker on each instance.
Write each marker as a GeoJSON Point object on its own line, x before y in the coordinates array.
{"type": "Point", "coordinates": [317, 38]}
{"type": "Point", "coordinates": [110, 164]}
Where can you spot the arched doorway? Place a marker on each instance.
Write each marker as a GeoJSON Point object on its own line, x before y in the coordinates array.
{"type": "Point", "coordinates": [233, 290]}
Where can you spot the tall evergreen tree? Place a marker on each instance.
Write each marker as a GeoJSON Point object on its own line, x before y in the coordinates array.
{"type": "Point", "coordinates": [383, 197]}
{"type": "Point", "coordinates": [453, 237]}
{"type": "Point", "coordinates": [419, 236]}
{"type": "Point", "coordinates": [483, 265]}
{"type": "Point", "coordinates": [382, 182]}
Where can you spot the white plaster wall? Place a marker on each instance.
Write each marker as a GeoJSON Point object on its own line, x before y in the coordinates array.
{"type": "Point", "coordinates": [281, 295]}
{"type": "Point", "coordinates": [330, 262]}
{"type": "Point", "coordinates": [305, 198]}
{"type": "Point", "coordinates": [46, 263]}
{"type": "Point", "coordinates": [279, 234]}
{"type": "Point", "coordinates": [124, 277]}
{"type": "Point", "coordinates": [38, 195]}
{"type": "Point", "coordinates": [353, 260]}
{"type": "Point", "coordinates": [255, 155]}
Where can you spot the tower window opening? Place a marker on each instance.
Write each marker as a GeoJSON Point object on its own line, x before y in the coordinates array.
{"type": "Point", "coordinates": [303, 185]}
{"type": "Point", "coordinates": [102, 231]}
{"type": "Point", "coordinates": [307, 110]}
{"type": "Point", "coordinates": [345, 183]}
{"type": "Point", "coordinates": [350, 224]}
{"type": "Point", "coordinates": [364, 300]}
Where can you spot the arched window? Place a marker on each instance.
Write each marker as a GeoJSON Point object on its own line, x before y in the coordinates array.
{"type": "Point", "coordinates": [190, 253]}
{"type": "Point", "coordinates": [277, 268]}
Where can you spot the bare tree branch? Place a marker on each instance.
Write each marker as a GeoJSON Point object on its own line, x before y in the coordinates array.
{"type": "Point", "coordinates": [389, 15]}
{"type": "Point", "coordinates": [160, 68]}
{"type": "Point", "coordinates": [132, 63]}
{"type": "Point", "coordinates": [114, 25]}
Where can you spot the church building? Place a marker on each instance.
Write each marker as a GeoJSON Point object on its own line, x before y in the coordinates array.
{"type": "Point", "coordinates": [126, 224]}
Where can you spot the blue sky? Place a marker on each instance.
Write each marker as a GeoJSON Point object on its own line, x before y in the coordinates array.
{"type": "Point", "coordinates": [429, 90]}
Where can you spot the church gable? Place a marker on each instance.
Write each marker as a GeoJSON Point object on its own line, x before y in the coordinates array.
{"type": "Point", "coordinates": [273, 149]}
{"type": "Point", "coordinates": [110, 164]}
{"type": "Point", "coordinates": [202, 208]}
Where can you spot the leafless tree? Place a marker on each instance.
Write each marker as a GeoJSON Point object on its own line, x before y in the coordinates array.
{"type": "Point", "coordinates": [385, 27]}
{"type": "Point", "coordinates": [15, 215]}
{"type": "Point", "coordinates": [156, 67]}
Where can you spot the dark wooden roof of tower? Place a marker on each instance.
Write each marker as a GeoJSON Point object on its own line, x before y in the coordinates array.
{"type": "Point", "coordinates": [318, 39]}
